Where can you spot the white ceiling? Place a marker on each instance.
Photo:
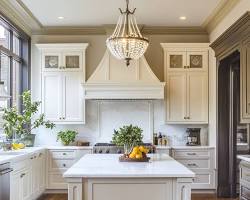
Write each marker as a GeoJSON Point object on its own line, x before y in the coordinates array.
{"type": "Point", "coordinates": [100, 12]}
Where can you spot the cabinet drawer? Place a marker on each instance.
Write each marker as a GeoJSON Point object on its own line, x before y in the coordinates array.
{"type": "Point", "coordinates": [196, 164]}
{"type": "Point", "coordinates": [58, 154]}
{"type": "Point", "coordinates": [204, 181]}
{"type": "Point", "coordinates": [245, 193]}
{"type": "Point", "coordinates": [245, 174]}
{"type": "Point", "coordinates": [191, 154]}
{"type": "Point", "coordinates": [61, 164]}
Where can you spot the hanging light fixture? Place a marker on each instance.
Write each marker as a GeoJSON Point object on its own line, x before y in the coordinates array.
{"type": "Point", "coordinates": [127, 42]}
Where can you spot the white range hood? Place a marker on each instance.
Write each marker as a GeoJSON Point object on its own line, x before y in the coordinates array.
{"type": "Point", "coordinates": [112, 79]}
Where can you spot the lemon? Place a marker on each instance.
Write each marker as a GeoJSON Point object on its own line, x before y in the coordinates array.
{"type": "Point", "coordinates": [21, 145]}
{"type": "Point", "coordinates": [138, 156]}
{"type": "Point", "coordinates": [132, 155]}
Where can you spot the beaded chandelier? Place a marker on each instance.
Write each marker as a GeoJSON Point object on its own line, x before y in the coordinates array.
{"type": "Point", "coordinates": [126, 42]}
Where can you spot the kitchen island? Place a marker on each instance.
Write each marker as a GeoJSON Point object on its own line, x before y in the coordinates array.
{"type": "Point", "coordinates": [103, 177]}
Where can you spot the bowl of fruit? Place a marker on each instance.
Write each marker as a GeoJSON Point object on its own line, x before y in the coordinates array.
{"type": "Point", "coordinates": [138, 154]}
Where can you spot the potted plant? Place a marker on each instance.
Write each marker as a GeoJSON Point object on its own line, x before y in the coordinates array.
{"type": "Point", "coordinates": [128, 137]}
{"type": "Point", "coordinates": [67, 136]}
{"type": "Point", "coordinates": [20, 125]}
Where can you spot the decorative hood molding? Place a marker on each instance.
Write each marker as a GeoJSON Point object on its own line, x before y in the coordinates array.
{"type": "Point", "coordinates": [112, 79]}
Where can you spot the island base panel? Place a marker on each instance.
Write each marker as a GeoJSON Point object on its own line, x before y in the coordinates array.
{"type": "Point", "coordinates": [130, 188]}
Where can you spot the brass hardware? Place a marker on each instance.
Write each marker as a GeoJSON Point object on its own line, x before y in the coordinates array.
{"type": "Point", "coordinates": [22, 175]}
{"type": "Point", "coordinates": [192, 165]}
{"type": "Point", "coordinates": [64, 165]}
{"type": "Point", "coordinates": [40, 154]}
{"type": "Point", "coordinates": [64, 154]}
{"type": "Point", "coordinates": [31, 158]}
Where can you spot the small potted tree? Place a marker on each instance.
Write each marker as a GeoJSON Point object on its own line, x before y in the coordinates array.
{"type": "Point", "coordinates": [20, 125]}
{"type": "Point", "coordinates": [128, 137]}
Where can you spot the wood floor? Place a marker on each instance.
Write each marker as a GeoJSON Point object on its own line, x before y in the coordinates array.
{"type": "Point", "coordinates": [194, 197]}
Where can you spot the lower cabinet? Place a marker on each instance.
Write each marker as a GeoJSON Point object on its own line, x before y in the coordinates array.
{"type": "Point", "coordinates": [27, 180]}
{"type": "Point", "coordinates": [201, 162]}
{"type": "Point", "coordinates": [58, 161]}
{"type": "Point", "coordinates": [244, 180]}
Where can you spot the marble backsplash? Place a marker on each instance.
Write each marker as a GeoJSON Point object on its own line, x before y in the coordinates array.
{"type": "Point", "coordinates": [102, 117]}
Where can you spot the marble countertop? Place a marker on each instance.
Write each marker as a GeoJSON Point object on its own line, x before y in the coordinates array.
{"type": "Point", "coordinates": [108, 165]}
{"type": "Point", "coordinates": [68, 147]}
{"type": "Point", "coordinates": [17, 155]}
{"type": "Point", "coordinates": [244, 157]}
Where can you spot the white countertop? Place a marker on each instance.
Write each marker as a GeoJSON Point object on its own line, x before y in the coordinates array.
{"type": "Point", "coordinates": [68, 147]}
{"type": "Point", "coordinates": [244, 157]}
{"type": "Point", "coordinates": [108, 165]}
{"type": "Point", "coordinates": [21, 154]}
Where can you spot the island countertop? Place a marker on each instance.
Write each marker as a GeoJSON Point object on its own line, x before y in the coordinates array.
{"type": "Point", "coordinates": [108, 165]}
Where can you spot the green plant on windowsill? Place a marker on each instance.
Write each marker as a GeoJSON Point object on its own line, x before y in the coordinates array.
{"type": "Point", "coordinates": [20, 125]}
{"type": "Point", "coordinates": [67, 136]}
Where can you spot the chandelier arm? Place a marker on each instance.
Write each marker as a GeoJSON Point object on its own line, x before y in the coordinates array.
{"type": "Point", "coordinates": [133, 27]}
{"type": "Point", "coordinates": [138, 30]}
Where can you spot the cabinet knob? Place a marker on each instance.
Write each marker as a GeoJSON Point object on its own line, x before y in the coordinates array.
{"type": "Point", "coordinates": [31, 158]}
{"type": "Point", "coordinates": [22, 175]}
{"type": "Point", "coordinates": [63, 117]}
{"type": "Point", "coordinates": [64, 154]}
{"type": "Point", "coordinates": [64, 165]}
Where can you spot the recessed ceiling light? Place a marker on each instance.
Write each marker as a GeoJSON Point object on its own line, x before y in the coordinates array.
{"type": "Point", "coordinates": [61, 17]}
{"type": "Point", "coordinates": [182, 17]}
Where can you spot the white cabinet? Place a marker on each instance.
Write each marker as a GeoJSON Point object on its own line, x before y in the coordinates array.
{"type": "Point", "coordinates": [186, 76]}
{"type": "Point", "coordinates": [63, 72]}
{"type": "Point", "coordinates": [27, 181]}
{"type": "Point", "coordinates": [58, 161]}
{"type": "Point", "coordinates": [185, 58]}
{"type": "Point", "coordinates": [201, 162]}
{"type": "Point", "coordinates": [62, 98]}
{"type": "Point", "coordinates": [63, 57]}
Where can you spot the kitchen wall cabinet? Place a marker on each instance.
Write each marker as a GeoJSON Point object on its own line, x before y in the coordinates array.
{"type": "Point", "coordinates": [63, 72]}
{"type": "Point", "coordinates": [186, 76]}
{"type": "Point", "coordinates": [62, 98]}
{"type": "Point", "coordinates": [68, 57]}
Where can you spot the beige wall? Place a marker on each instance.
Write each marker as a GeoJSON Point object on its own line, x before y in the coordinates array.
{"type": "Point", "coordinates": [96, 49]}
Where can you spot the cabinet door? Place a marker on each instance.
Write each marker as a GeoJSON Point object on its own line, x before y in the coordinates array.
{"type": "Point", "coordinates": [15, 190]}
{"type": "Point", "coordinates": [197, 97]}
{"type": "Point", "coordinates": [73, 102]}
{"type": "Point", "coordinates": [176, 97]}
{"type": "Point", "coordinates": [52, 96]}
{"type": "Point", "coordinates": [25, 184]}
{"type": "Point", "coordinates": [197, 60]}
{"type": "Point", "coordinates": [72, 60]}
{"type": "Point", "coordinates": [245, 83]}
{"type": "Point", "coordinates": [51, 61]}
{"type": "Point", "coordinates": [176, 60]}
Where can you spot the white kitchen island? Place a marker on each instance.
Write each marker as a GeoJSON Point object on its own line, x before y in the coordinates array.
{"type": "Point", "coordinates": [103, 177]}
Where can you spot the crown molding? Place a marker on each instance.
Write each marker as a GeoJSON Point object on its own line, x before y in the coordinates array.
{"type": "Point", "coordinates": [170, 30]}
{"type": "Point", "coordinates": [219, 13]}
{"type": "Point", "coordinates": [20, 16]}
{"type": "Point", "coordinates": [108, 29]}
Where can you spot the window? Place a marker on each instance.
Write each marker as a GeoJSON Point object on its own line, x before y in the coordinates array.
{"type": "Point", "coordinates": [14, 61]}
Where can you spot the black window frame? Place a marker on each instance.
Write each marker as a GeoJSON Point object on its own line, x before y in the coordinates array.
{"type": "Point", "coordinates": [24, 57]}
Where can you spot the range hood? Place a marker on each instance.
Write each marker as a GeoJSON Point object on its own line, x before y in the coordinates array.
{"type": "Point", "coordinates": [112, 79]}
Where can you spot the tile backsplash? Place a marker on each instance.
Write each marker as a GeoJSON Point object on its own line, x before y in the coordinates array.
{"type": "Point", "coordinates": [102, 117]}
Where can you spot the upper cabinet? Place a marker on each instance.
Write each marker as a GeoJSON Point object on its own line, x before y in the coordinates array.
{"type": "Point", "coordinates": [63, 72]}
{"type": "Point", "coordinates": [186, 76]}
{"type": "Point", "coordinates": [63, 57]}
{"type": "Point", "coordinates": [186, 59]}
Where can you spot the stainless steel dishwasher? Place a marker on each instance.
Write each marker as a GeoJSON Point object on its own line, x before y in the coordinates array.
{"type": "Point", "coordinates": [5, 181]}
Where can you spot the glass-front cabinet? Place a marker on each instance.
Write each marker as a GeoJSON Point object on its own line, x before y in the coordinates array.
{"type": "Point", "coordinates": [62, 61]}
{"type": "Point", "coordinates": [187, 60]}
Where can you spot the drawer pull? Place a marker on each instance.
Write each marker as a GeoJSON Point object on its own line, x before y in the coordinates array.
{"type": "Point", "coordinates": [22, 175]}
{"type": "Point", "coordinates": [64, 165]}
{"type": "Point", "coordinates": [192, 165]}
{"type": "Point", "coordinates": [64, 154]}
{"type": "Point", "coordinates": [40, 154]}
{"type": "Point", "coordinates": [191, 154]}
{"type": "Point", "coordinates": [31, 158]}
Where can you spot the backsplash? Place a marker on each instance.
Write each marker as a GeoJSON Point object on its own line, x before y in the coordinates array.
{"type": "Point", "coordinates": [102, 117]}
